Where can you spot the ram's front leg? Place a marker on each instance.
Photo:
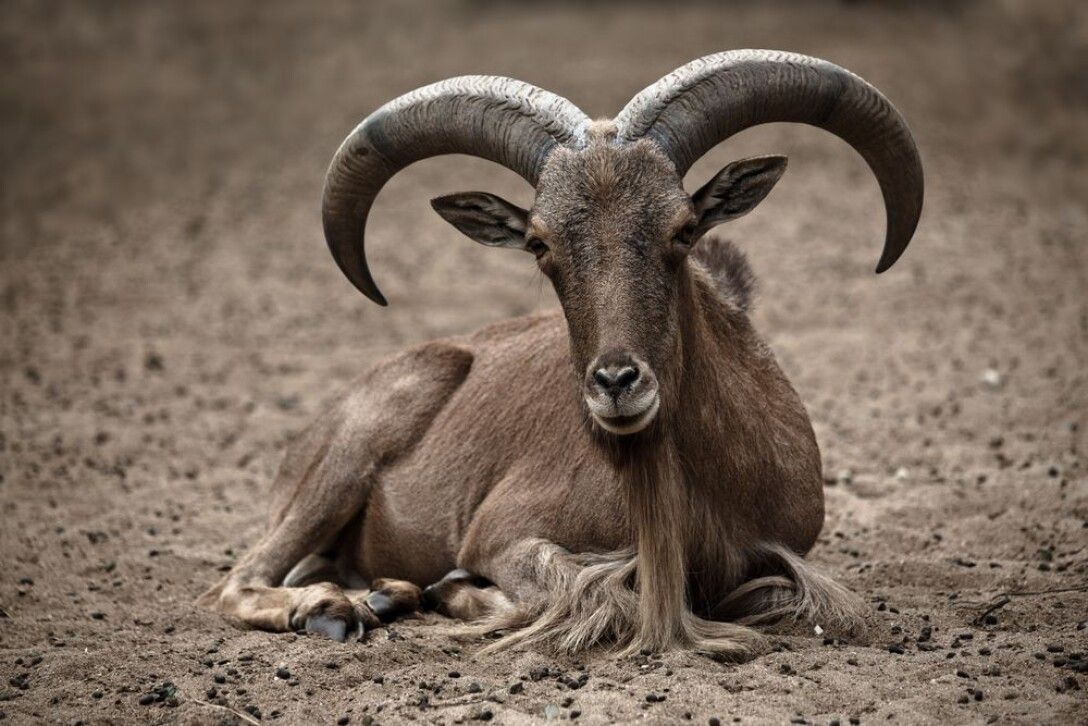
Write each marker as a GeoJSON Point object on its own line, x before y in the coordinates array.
{"type": "Point", "coordinates": [253, 595]}
{"type": "Point", "coordinates": [324, 483]}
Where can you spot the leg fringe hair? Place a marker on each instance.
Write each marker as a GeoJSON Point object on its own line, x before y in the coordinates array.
{"type": "Point", "coordinates": [594, 602]}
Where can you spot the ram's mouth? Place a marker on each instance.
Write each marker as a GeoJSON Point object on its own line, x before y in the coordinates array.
{"type": "Point", "coordinates": [624, 425]}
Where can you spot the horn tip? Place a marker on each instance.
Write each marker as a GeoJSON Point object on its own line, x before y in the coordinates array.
{"type": "Point", "coordinates": [359, 277]}
{"type": "Point", "coordinates": [375, 295]}
{"type": "Point", "coordinates": [366, 286]}
{"type": "Point", "coordinates": [889, 257]}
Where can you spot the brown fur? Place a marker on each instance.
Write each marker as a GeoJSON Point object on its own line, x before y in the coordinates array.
{"type": "Point", "coordinates": [728, 267]}
{"type": "Point", "coordinates": [479, 452]}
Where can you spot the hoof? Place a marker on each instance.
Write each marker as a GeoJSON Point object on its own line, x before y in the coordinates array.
{"type": "Point", "coordinates": [435, 594]}
{"type": "Point", "coordinates": [382, 605]}
{"type": "Point", "coordinates": [457, 575]}
{"type": "Point", "coordinates": [431, 597]}
{"type": "Point", "coordinates": [332, 628]}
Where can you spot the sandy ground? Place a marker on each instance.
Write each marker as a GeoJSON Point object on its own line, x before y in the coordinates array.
{"type": "Point", "coordinates": [170, 319]}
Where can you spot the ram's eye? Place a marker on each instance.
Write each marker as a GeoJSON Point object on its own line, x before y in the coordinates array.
{"type": "Point", "coordinates": [686, 236]}
{"type": "Point", "coordinates": [536, 246]}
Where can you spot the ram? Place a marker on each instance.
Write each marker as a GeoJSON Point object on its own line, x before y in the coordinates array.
{"type": "Point", "coordinates": [635, 472]}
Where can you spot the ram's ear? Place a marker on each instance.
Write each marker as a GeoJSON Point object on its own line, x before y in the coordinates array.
{"type": "Point", "coordinates": [736, 190]}
{"type": "Point", "coordinates": [486, 218]}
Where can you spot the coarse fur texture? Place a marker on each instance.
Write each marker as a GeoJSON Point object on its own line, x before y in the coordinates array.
{"type": "Point", "coordinates": [728, 267]}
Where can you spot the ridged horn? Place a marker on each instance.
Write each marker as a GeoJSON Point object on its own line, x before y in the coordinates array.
{"type": "Point", "coordinates": [500, 119]}
{"type": "Point", "coordinates": [710, 99]}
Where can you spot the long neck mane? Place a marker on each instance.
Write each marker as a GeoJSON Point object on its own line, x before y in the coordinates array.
{"type": "Point", "coordinates": [657, 504]}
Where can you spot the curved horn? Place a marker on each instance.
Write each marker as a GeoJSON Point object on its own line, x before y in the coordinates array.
{"type": "Point", "coordinates": [705, 102]}
{"type": "Point", "coordinates": [506, 121]}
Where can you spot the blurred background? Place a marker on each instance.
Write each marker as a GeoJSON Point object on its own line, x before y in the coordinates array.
{"type": "Point", "coordinates": [170, 317]}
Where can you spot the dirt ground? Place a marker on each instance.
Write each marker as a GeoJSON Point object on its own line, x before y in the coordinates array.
{"type": "Point", "coordinates": [170, 318]}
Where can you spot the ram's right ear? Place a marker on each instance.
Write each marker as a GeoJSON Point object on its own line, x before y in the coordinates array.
{"type": "Point", "coordinates": [486, 218]}
{"type": "Point", "coordinates": [736, 190]}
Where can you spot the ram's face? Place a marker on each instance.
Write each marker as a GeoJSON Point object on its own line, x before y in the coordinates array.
{"type": "Point", "coordinates": [610, 228]}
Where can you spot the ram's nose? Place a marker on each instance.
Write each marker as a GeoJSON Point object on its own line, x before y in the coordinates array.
{"type": "Point", "coordinates": [614, 373]}
{"type": "Point", "coordinates": [615, 378]}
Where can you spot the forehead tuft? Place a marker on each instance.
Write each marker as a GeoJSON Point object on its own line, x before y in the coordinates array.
{"type": "Point", "coordinates": [605, 175]}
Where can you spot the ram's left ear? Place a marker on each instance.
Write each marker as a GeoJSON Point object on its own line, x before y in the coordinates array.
{"type": "Point", "coordinates": [735, 190]}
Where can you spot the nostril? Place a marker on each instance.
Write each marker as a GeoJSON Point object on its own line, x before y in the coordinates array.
{"type": "Point", "coordinates": [626, 377]}
{"type": "Point", "coordinates": [613, 380]}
